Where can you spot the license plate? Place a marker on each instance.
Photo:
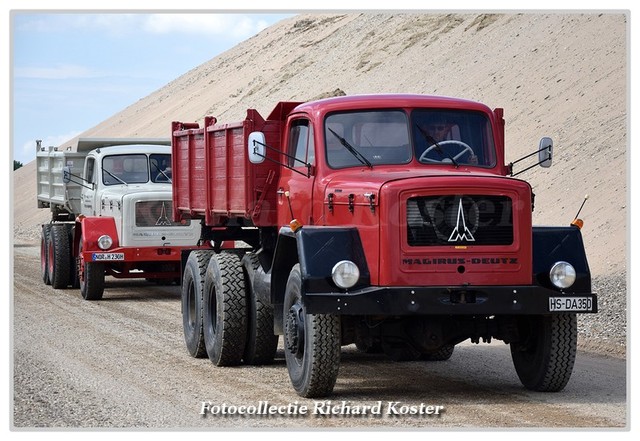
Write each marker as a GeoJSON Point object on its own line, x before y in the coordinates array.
{"type": "Point", "coordinates": [100, 257]}
{"type": "Point", "coordinates": [570, 304]}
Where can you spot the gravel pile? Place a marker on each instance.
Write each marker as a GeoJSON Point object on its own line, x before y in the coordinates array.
{"type": "Point", "coordinates": [606, 331]}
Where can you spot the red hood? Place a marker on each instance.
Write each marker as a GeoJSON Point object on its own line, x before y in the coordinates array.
{"type": "Point", "coordinates": [361, 180]}
{"type": "Point", "coordinates": [375, 201]}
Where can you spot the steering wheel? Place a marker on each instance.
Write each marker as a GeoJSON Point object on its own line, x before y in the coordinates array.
{"type": "Point", "coordinates": [465, 148]}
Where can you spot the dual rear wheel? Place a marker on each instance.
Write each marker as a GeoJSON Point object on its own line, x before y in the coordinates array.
{"type": "Point", "coordinates": [57, 265]}
{"type": "Point", "coordinates": [225, 320]}
{"type": "Point", "coordinates": [222, 316]}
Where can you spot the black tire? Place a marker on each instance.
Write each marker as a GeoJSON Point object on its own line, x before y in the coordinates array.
{"type": "Point", "coordinates": [74, 282]}
{"type": "Point", "coordinates": [545, 355]}
{"type": "Point", "coordinates": [91, 278]}
{"type": "Point", "coordinates": [262, 343]}
{"type": "Point", "coordinates": [192, 304]}
{"type": "Point", "coordinates": [442, 354]}
{"type": "Point", "coordinates": [45, 234]}
{"type": "Point", "coordinates": [59, 256]}
{"type": "Point", "coordinates": [312, 343]}
{"type": "Point", "coordinates": [224, 310]}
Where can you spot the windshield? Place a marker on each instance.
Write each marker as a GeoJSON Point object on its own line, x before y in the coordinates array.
{"type": "Point", "coordinates": [371, 137]}
{"type": "Point", "coordinates": [392, 137]}
{"type": "Point", "coordinates": [135, 169]}
{"type": "Point", "coordinates": [452, 136]}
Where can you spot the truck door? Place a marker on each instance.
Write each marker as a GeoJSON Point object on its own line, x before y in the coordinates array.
{"type": "Point", "coordinates": [297, 177]}
{"type": "Point", "coordinates": [87, 195]}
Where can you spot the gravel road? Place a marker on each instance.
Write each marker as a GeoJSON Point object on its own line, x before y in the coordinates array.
{"type": "Point", "coordinates": [122, 363]}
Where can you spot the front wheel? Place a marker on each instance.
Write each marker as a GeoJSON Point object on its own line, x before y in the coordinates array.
{"type": "Point", "coordinates": [311, 343]}
{"type": "Point", "coordinates": [545, 354]}
{"type": "Point", "coordinates": [90, 277]}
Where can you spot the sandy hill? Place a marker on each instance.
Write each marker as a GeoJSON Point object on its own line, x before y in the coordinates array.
{"type": "Point", "coordinates": [558, 75]}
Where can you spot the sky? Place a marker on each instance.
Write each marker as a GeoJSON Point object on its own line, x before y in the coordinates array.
{"type": "Point", "coordinates": [71, 71]}
{"type": "Point", "coordinates": [72, 68]}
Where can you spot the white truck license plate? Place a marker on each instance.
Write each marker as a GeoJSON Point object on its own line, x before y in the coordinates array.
{"type": "Point", "coordinates": [99, 257]}
{"type": "Point", "coordinates": [570, 304]}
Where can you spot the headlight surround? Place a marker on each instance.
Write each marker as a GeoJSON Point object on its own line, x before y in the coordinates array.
{"type": "Point", "coordinates": [105, 242]}
{"type": "Point", "coordinates": [345, 274]}
{"type": "Point", "coordinates": [562, 274]}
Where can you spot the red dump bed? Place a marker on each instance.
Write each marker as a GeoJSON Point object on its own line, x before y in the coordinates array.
{"type": "Point", "coordinates": [212, 176]}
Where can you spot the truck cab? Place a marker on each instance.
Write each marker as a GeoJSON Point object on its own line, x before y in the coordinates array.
{"type": "Point", "coordinates": [132, 185]}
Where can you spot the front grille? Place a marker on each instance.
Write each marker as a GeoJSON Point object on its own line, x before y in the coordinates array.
{"type": "Point", "coordinates": [155, 214]}
{"type": "Point", "coordinates": [459, 220]}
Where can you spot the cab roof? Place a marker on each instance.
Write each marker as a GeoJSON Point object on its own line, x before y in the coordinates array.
{"type": "Point", "coordinates": [389, 101]}
{"type": "Point", "coordinates": [88, 144]}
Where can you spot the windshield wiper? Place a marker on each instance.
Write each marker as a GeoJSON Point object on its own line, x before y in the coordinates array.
{"type": "Point", "coordinates": [437, 148]}
{"type": "Point", "coordinates": [359, 156]}
{"type": "Point", "coordinates": [114, 176]}
{"type": "Point", "coordinates": [162, 172]}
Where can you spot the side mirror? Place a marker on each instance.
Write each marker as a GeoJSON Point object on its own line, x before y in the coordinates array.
{"type": "Point", "coordinates": [66, 174]}
{"type": "Point", "coordinates": [256, 147]}
{"type": "Point", "coordinates": [545, 152]}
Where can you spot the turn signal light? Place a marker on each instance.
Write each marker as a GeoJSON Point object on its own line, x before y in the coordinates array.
{"type": "Point", "coordinates": [577, 223]}
{"type": "Point", "coordinates": [295, 225]}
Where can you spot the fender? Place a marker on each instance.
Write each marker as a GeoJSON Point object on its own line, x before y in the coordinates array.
{"type": "Point", "coordinates": [317, 249]}
{"type": "Point", "coordinates": [551, 244]}
{"type": "Point", "coordinates": [90, 228]}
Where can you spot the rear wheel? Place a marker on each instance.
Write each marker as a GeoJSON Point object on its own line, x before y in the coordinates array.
{"type": "Point", "coordinates": [192, 303]}
{"type": "Point", "coordinates": [45, 234]}
{"type": "Point", "coordinates": [91, 277]}
{"type": "Point", "coordinates": [225, 310]}
{"type": "Point", "coordinates": [312, 343]}
{"type": "Point", "coordinates": [73, 261]}
{"type": "Point", "coordinates": [59, 259]}
{"type": "Point", "coordinates": [545, 355]}
{"type": "Point", "coordinates": [262, 343]}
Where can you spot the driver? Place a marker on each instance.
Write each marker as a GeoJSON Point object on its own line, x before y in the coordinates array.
{"type": "Point", "coordinates": [438, 129]}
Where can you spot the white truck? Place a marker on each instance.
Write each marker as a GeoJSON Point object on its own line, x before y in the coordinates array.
{"type": "Point", "coordinates": [111, 214]}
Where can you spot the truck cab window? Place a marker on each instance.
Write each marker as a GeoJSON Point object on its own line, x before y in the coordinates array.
{"type": "Point", "coordinates": [125, 169]}
{"type": "Point", "coordinates": [89, 170]}
{"type": "Point", "coordinates": [160, 168]}
{"type": "Point", "coordinates": [381, 137]}
{"type": "Point", "coordinates": [452, 136]}
{"type": "Point", "coordinates": [301, 145]}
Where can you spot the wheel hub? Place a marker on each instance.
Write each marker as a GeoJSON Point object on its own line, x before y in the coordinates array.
{"type": "Point", "coordinates": [294, 330]}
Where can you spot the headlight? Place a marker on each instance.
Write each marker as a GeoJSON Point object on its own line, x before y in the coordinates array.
{"type": "Point", "coordinates": [345, 274]}
{"type": "Point", "coordinates": [105, 242]}
{"type": "Point", "coordinates": [562, 274]}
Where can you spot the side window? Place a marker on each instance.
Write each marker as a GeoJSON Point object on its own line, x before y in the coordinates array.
{"type": "Point", "coordinates": [89, 170]}
{"type": "Point", "coordinates": [301, 145]}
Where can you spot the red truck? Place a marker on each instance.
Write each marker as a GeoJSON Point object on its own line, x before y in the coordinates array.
{"type": "Point", "coordinates": [386, 221]}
